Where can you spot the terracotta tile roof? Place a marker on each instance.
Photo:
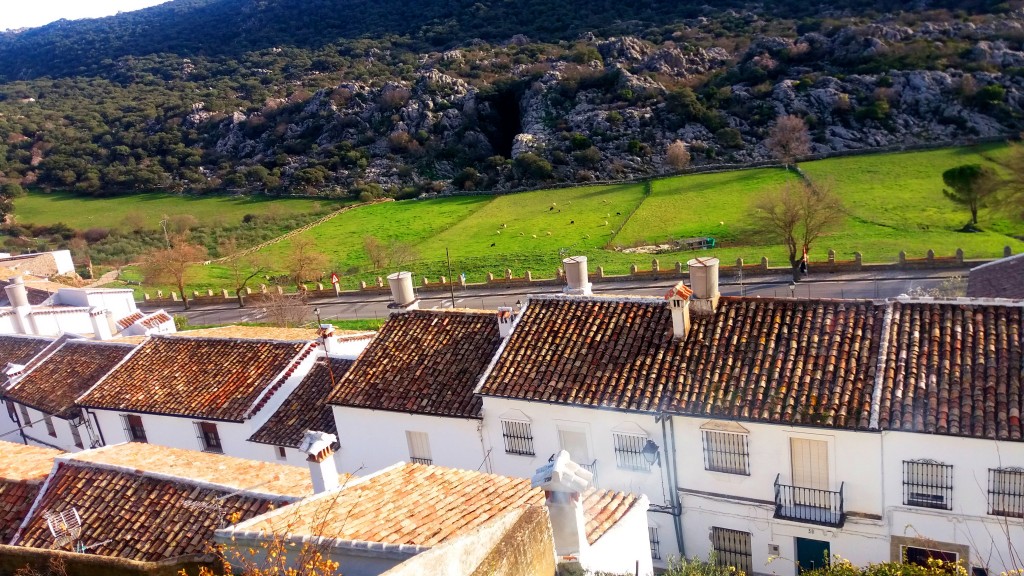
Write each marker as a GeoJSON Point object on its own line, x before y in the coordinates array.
{"type": "Point", "coordinates": [22, 471]}
{"type": "Point", "coordinates": [154, 320]}
{"type": "Point", "coordinates": [423, 505]}
{"type": "Point", "coordinates": [424, 362]}
{"type": "Point", "coordinates": [20, 349]}
{"type": "Point", "coordinates": [53, 383]}
{"type": "Point", "coordinates": [253, 333]}
{"type": "Point", "coordinates": [1003, 278]}
{"type": "Point", "coordinates": [220, 379]}
{"type": "Point", "coordinates": [305, 409]}
{"type": "Point", "coordinates": [954, 368]}
{"type": "Point", "coordinates": [804, 362]}
{"type": "Point", "coordinates": [130, 319]}
{"type": "Point", "coordinates": [591, 351]}
{"type": "Point", "coordinates": [225, 471]}
{"type": "Point", "coordinates": [137, 515]}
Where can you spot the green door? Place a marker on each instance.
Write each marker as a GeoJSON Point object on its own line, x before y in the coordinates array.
{"type": "Point", "coordinates": [811, 554]}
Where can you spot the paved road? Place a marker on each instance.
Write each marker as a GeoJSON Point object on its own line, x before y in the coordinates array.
{"type": "Point", "coordinates": [351, 306]}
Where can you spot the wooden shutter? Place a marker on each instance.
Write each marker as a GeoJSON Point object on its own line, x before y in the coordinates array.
{"type": "Point", "coordinates": [810, 463]}
{"type": "Point", "coordinates": [419, 447]}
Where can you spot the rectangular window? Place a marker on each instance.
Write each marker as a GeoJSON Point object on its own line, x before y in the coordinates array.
{"type": "Point", "coordinates": [49, 426]}
{"type": "Point", "coordinates": [928, 484]}
{"type": "Point", "coordinates": [726, 452]}
{"type": "Point", "coordinates": [209, 439]}
{"type": "Point", "coordinates": [282, 453]}
{"type": "Point", "coordinates": [26, 420]}
{"type": "Point", "coordinates": [652, 532]}
{"type": "Point", "coordinates": [76, 436]}
{"type": "Point", "coordinates": [921, 556]}
{"type": "Point", "coordinates": [518, 437]}
{"type": "Point", "coordinates": [1006, 492]}
{"type": "Point", "coordinates": [732, 548]}
{"type": "Point", "coordinates": [134, 431]}
{"type": "Point", "coordinates": [629, 451]}
{"type": "Point", "coordinates": [419, 447]}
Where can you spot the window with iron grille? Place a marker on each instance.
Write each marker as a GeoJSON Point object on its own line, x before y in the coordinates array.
{"type": "Point", "coordinates": [629, 451]}
{"type": "Point", "coordinates": [518, 437]}
{"type": "Point", "coordinates": [49, 425]}
{"type": "Point", "coordinates": [209, 438]}
{"type": "Point", "coordinates": [652, 532]}
{"type": "Point", "coordinates": [726, 452]}
{"type": "Point", "coordinates": [134, 431]}
{"type": "Point", "coordinates": [26, 420]}
{"type": "Point", "coordinates": [732, 548]}
{"type": "Point", "coordinates": [1006, 492]}
{"type": "Point", "coordinates": [76, 436]}
{"type": "Point", "coordinates": [419, 447]}
{"type": "Point", "coordinates": [928, 484]}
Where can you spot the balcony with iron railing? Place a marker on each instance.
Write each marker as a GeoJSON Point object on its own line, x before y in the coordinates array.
{"type": "Point", "coordinates": [809, 505]}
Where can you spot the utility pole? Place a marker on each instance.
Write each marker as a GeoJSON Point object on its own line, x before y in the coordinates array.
{"type": "Point", "coordinates": [451, 281]}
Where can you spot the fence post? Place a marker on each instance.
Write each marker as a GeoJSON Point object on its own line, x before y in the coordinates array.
{"type": "Point", "coordinates": [655, 267]}
{"type": "Point", "coordinates": [902, 258]}
{"type": "Point", "coordinates": [858, 260]}
{"type": "Point", "coordinates": [831, 256]}
{"type": "Point", "coordinates": [1007, 252]}
{"type": "Point", "coordinates": [529, 276]}
{"type": "Point", "coordinates": [633, 269]}
{"type": "Point", "coordinates": [224, 294]}
{"type": "Point", "coordinates": [959, 256]}
{"type": "Point", "coordinates": [600, 272]}
{"type": "Point", "coordinates": [679, 267]}
{"type": "Point", "coordinates": [930, 255]}
{"type": "Point", "coordinates": [764, 263]}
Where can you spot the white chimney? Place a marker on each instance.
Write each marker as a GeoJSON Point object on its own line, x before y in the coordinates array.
{"type": "Point", "coordinates": [319, 449]}
{"type": "Point", "coordinates": [327, 338]}
{"type": "Point", "coordinates": [563, 482]}
{"type": "Point", "coordinates": [17, 294]}
{"type": "Point", "coordinates": [505, 318]}
{"type": "Point", "coordinates": [100, 323]}
{"type": "Point", "coordinates": [679, 304]}
{"type": "Point", "coordinates": [403, 297]}
{"type": "Point", "coordinates": [576, 276]}
{"type": "Point", "coordinates": [704, 281]}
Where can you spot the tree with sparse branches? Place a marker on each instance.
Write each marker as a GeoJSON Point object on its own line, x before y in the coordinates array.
{"type": "Point", "coordinates": [242, 268]}
{"type": "Point", "coordinates": [970, 185]}
{"type": "Point", "coordinates": [789, 139]}
{"type": "Point", "coordinates": [305, 262]}
{"type": "Point", "coordinates": [798, 214]}
{"type": "Point", "coordinates": [173, 265]}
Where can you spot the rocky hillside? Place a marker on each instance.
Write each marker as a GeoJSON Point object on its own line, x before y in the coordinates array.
{"type": "Point", "coordinates": [417, 105]}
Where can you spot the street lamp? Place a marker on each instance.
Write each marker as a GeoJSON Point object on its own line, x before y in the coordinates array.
{"type": "Point", "coordinates": [792, 290]}
{"type": "Point", "coordinates": [650, 453]}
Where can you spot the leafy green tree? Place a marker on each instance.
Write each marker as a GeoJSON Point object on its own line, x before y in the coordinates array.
{"type": "Point", "coordinates": [970, 185]}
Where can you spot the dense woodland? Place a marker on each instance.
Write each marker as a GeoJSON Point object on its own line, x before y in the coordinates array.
{"type": "Point", "coordinates": [371, 98]}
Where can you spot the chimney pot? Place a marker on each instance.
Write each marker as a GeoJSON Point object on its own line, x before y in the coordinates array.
{"type": "Point", "coordinates": [679, 304]}
{"type": "Point", "coordinates": [577, 282]}
{"type": "Point", "coordinates": [506, 316]}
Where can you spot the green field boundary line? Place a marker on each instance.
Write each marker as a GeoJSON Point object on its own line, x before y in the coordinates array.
{"type": "Point", "coordinates": [648, 188]}
{"type": "Point", "coordinates": [296, 231]}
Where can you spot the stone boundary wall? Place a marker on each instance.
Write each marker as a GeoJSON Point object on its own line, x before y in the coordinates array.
{"type": "Point", "coordinates": [656, 272]}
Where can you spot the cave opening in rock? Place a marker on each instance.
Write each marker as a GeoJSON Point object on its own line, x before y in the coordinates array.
{"type": "Point", "coordinates": [503, 121]}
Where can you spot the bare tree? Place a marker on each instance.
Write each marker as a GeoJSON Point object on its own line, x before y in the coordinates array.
{"type": "Point", "coordinates": [391, 254]}
{"type": "Point", "coordinates": [285, 311]}
{"type": "Point", "coordinates": [376, 251]}
{"type": "Point", "coordinates": [789, 139]}
{"type": "Point", "coordinates": [242, 268]}
{"type": "Point", "coordinates": [797, 215]}
{"type": "Point", "coordinates": [305, 262]}
{"type": "Point", "coordinates": [173, 265]}
{"type": "Point", "coordinates": [677, 156]}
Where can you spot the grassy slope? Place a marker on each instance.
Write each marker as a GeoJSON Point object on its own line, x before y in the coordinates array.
{"type": "Point", "coordinates": [84, 212]}
{"type": "Point", "coordinates": [894, 203]}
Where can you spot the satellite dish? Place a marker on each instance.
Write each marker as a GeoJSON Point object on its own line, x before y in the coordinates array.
{"type": "Point", "coordinates": [65, 526]}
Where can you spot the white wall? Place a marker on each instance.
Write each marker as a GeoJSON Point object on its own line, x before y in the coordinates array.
{"type": "Point", "coordinates": [599, 425]}
{"type": "Point", "coordinates": [374, 439]}
{"type": "Point", "coordinates": [968, 523]}
{"type": "Point", "coordinates": [119, 302]}
{"type": "Point", "coordinates": [624, 548]}
{"type": "Point", "coordinates": [38, 435]}
{"type": "Point", "coordinates": [52, 323]}
{"type": "Point", "coordinates": [65, 265]}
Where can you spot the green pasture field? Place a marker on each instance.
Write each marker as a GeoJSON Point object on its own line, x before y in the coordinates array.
{"type": "Point", "coordinates": [84, 212]}
{"type": "Point", "coordinates": [893, 202]}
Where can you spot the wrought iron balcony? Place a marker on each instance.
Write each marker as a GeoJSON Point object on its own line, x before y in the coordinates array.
{"type": "Point", "coordinates": [592, 468]}
{"type": "Point", "coordinates": [810, 505]}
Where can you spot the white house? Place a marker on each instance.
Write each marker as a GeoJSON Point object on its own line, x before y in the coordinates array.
{"type": "Point", "coordinates": [15, 352]}
{"type": "Point", "coordinates": [409, 395]}
{"type": "Point", "coordinates": [208, 394]}
{"type": "Point", "coordinates": [42, 394]}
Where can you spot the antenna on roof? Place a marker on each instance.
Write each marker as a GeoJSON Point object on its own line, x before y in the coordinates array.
{"type": "Point", "coordinates": [65, 526]}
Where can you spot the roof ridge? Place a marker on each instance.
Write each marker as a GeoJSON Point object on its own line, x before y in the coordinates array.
{"type": "Point", "coordinates": [883, 353]}
{"type": "Point", "coordinates": [501, 349]}
{"type": "Point", "coordinates": [184, 336]}
{"type": "Point", "coordinates": [960, 300]}
{"type": "Point", "coordinates": [596, 298]}
{"type": "Point", "coordinates": [997, 261]}
{"type": "Point", "coordinates": [272, 387]}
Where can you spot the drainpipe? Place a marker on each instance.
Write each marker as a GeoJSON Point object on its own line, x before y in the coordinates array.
{"type": "Point", "coordinates": [670, 473]}
{"type": "Point", "coordinates": [96, 421]}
